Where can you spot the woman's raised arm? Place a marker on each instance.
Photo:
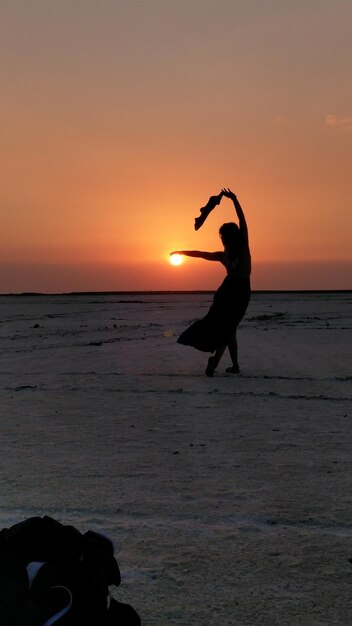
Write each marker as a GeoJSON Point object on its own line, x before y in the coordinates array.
{"type": "Point", "coordinates": [239, 211]}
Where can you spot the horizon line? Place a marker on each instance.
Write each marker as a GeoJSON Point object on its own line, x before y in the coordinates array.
{"type": "Point", "coordinates": [162, 292]}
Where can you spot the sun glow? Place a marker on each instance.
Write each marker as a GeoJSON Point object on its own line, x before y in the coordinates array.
{"type": "Point", "coordinates": [176, 259]}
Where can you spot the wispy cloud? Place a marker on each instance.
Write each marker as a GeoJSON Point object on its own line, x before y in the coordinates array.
{"type": "Point", "coordinates": [339, 122]}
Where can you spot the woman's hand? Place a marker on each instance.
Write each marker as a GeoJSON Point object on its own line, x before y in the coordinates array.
{"type": "Point", "coordinates": [228, 193]}
{"type": "Point", "coordinates": [176, 252]}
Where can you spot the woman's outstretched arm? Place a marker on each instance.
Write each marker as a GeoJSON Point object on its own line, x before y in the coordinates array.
{"type": "Point", "coordinates": [239, 211]}
{"type": "Point", "coordinates": [208, 256]}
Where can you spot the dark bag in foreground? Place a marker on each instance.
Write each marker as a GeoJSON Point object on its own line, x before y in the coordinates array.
{"type": "Point", "coordinates": [51, 573]}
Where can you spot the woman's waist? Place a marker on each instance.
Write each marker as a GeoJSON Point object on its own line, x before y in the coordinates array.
{"type": "Point", "coordinates": [237, 281]}
{"type": "Point", "coordinates": [238, 275]}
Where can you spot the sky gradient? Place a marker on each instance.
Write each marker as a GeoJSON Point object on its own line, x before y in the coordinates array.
{"type": "Point", "coordinates": [120, 119]}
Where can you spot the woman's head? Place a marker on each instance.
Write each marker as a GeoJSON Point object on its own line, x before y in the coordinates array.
{"type": "Point", "coordinates": [230, 236]}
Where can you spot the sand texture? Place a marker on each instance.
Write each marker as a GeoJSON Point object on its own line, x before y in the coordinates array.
{"type": "Point", "coordinates": [229, 499]}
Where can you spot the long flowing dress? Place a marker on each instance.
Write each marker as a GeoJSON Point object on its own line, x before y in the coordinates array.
{"type": "Point", "coordinates": [229, 305]}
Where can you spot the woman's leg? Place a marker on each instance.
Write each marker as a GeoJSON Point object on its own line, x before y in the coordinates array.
{"type": "Point", "coordinates": [213, 361]}
{"type": "Point", "coordinates": [233, 350]}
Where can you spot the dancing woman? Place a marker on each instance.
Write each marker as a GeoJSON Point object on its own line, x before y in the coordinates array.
{"type": "Point", "coordinates": [217, 330]}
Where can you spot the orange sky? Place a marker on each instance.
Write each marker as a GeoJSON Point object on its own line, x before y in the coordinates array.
{"type": "Point", "coordinates": [119, 119]}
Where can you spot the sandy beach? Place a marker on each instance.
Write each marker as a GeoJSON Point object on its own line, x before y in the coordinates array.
{"type": "Point", "coordinates": [229, 499]}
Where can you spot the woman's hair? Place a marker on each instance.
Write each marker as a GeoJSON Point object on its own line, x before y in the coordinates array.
{"type": "Point", "coordinates": [231, 237]}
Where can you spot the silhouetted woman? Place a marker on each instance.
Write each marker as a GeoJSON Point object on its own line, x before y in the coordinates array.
{"type": "Point", "coordinates": [218, 328]}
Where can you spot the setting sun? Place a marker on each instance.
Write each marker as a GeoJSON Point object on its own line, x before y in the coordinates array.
{"type": "Point", "coordinates": [176, 259]}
